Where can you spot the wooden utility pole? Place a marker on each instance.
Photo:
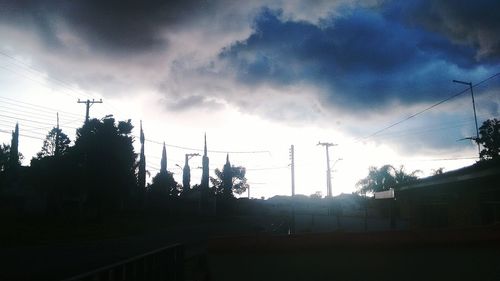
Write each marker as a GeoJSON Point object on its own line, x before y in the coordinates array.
{"type": "Point", "coordinates": [328, 170]}
{"type": "Point", "coordinates": [475, 116]}
{"type": "Point", "coordinates": [292, 166]}
{"type": "Point", "coordinates": [88, 104]}
{"type": "Point", "coordinates": [57, 149]}
{"type": "Point", "coordinates": [186, 171]}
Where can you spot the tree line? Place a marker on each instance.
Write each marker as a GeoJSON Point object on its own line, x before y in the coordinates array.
{"type": "Point", "coordinates": [99, 173]}
{"type": "Point", "coordinates": [387, 176]}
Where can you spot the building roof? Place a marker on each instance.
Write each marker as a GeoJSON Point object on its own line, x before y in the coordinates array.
{"type": "Point", "coordinates": [479, 170]}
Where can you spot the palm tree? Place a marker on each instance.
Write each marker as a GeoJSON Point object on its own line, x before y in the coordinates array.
{"type": "Point", "coordinates": [378, 179]}
{"type": "Point", "coordinates": [384, 178]}
{"type": "Point", "coordinates": [401, 177]}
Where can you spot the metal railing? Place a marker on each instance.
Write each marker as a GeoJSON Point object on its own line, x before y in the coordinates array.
{"type": "Point", "coordinates": [163, 264]}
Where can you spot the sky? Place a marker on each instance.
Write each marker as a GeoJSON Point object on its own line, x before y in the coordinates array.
{"type": "Point", "coordinates": [257, 77]}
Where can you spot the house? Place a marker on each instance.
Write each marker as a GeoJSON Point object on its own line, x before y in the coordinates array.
{"type": "Point", "coordinates": [466, 197]}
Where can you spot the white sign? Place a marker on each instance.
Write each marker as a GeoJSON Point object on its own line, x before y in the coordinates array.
{"type": "Point", "coordinates": [385, 194]}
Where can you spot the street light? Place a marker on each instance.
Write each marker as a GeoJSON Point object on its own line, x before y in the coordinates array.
{"type": "Point", "coordinates": [106, 117]}
{"type": "Point", "coordinates": [340, 159]}
{"type": "Point", "coordinates": [333, 171]}
{"type": "Point", "coordinates": [474, 107]}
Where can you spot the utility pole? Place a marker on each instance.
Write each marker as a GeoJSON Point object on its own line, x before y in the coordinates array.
{"type": "Point", "coordinates": [328, 170]}
{"type": "Point", "coordinates": [292, 166]}
{"type": "Point", "coordinates": [88, 104]}
{"type": "Point", "coordinates": [186, 171]}
{"type": "Point", "coordinates": [57, 149]}
{"type": "Point", "coordinates": [475, 117]}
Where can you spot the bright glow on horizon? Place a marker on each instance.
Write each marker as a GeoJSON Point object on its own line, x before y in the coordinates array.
{"type": "Point", "coordinates": [228, 130]}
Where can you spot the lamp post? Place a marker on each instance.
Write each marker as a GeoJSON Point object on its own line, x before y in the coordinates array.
{"type": "Point", "coordinates": [338, 159]}
{"type": "Point", "coordinates": [106, 117]}
{"type": "Point", "coordinates": [475, 116]}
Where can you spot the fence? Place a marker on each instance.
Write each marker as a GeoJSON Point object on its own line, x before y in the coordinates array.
{"type": "Point", "coordinates": [163, 264]}
{"type": "Point", "coordinates": [315, 223]}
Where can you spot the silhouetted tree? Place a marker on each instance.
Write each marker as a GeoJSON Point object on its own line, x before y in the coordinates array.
{"type": "Point", "coordinates": [227, 178]}
{"type": "Point", "coordinates": [438, 171]}
{"type": "Point", "coordinates": [186, 176]}
{"type": "Point", "coordinates": [205, 167]}
{"type": "Point", "coordinates": [14, 149]}
{"type": "Point", "coordinates": [4, 157]}
{"type": "Point", "coordinates": [59, 177]}
{"type": "Point", "coordinates": [378, 179]}
{"type": "Point", "coordinates": [107, 162]}
{"type": "Point", "coordinates": [489, 139]}
{"type": "Point", "coordinates": [141, 176]}
{"type": "Point", "coordinates": [56, 143]}
{"type": "Point", "coordinates": [385, 177]}
{"type": "Point", "coordinates": [238, 180]}
{"type": "Point", "coordinates": [401, 177]}
{"type": "Point", "coordinates": [316, 195]}
{"type": "Point", "coordinates": [164, 184]}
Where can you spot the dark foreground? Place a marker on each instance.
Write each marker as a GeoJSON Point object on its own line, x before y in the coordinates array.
{"type": "Point", "coordinates": [224, 250]}
{"type": "Point", "coordinates": [439, 255]}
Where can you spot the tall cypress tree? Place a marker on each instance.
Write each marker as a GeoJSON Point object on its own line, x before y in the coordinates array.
{"type": "Point", "coordinates": [186, 175]}
{"type": "Point", "coordinates": [14, 148]}
{"type": "Point", "coordinates": [205, 167]}
{"type": "Point", "coordinates": [163, 163]}
{"type": "Point", "coordinates": [142, 164]}
{"type": "Point", "coordinates": [227, 177]}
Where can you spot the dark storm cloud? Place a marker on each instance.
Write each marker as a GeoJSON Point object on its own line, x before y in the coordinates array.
{"type": "Point", "coordinates": [474, 23]}
{"type": "Point", "coordinates": [193, 102]}
{"type": "Point", "coordinates": [364, 58]}
{"type": "Point", "coordinates": [111, 26]}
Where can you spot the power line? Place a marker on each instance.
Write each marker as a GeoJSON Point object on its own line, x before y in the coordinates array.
{"type": "Point", "coordinates": [43, 83]}
{"type": "Point", "coordinates": [16, 118]}
{"type": "Point", "coordinates": [267, 168]}
{"type": "Point", "coordinates": [13, 123]}
{"type": "Point", "coordinates": [58, 81]}
{"type": "Point", "coordinates": [453, 122]}
{"type": "Point", "coordinates": [446, 159]}
{"type": "Point", "coordinates": [36, 106]}
{"type": "Point", "coordinates": [34, 133]}
{"type": "Point", "coordinates": [27, 114]}
{"type": "Point", "coordinates": [213, 151]}
{"type": "Point", "coordinates": [61, 82]}
{"type": "Point", "coordinates": [431, 130]}
{"type": "Point", "coordinates": [23, 135]}
{"type": "Point", "coordinates": [52, 126]}
{"type": "Point", "coordinates": [28, 111]}
{"type": "Point", "coordinates": [31, 121]}
{"type": "Point", "coordinates": [427, 108]}
{"type": "Point", "coordinates": [65, 85]}
{"type": "Point", "coordinates": [37, 115]}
